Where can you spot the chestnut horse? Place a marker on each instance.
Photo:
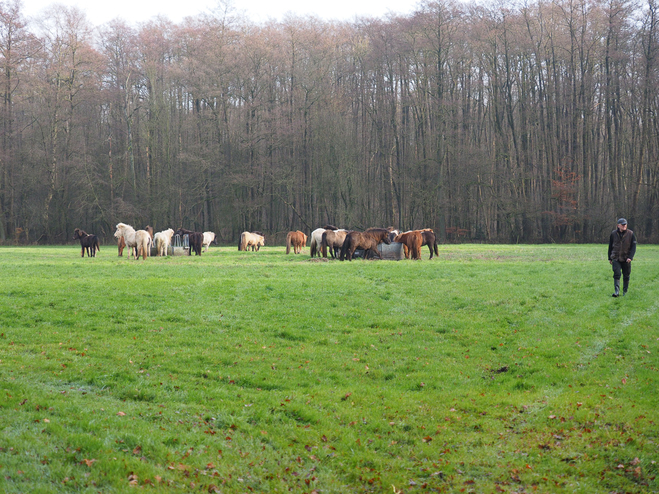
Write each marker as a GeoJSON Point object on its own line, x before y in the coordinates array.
{"type": "Point", "coordinates": [195, 239]}
{"type": "Point", "coordinates": [88, 242]}
{"type": "Point", "coordinates": [334, 240]}
{"type": "Point", "coordinates": [411, 241]}
{"type": "Point", "coordinates": [367, 240]}
{"type": "Point", "coordinates": [296, 239]}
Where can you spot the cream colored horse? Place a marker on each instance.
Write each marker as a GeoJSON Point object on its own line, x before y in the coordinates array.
{"type": "Point", "coordinates": [253, 240]}
{"type": "Point", "coordinates": [139, 239]}
{"type": "Point", "coordinates": [162, 240]}
{"type": "Point", "coordinates": [209, 237]}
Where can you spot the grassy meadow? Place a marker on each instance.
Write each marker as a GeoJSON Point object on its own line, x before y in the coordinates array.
{"type": "Point", "coordinates": [488, 369]}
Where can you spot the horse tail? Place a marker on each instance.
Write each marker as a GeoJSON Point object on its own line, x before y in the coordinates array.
{"type": "Point", "coordinates": [241, 243]}
{"type": "Point", "coordinates": [323, 245]}
{"type": "Point", "coordinates": [344, 249]}
{"type": "Point", "coordinates": [312, 247]}
{"type": "Point", "coordinates": [288, 243]}
{"type": "Point", "coordinates": [435, 246]}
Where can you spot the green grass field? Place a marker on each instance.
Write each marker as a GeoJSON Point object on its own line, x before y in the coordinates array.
{"type": "Point", "coordinates": [490, 369]}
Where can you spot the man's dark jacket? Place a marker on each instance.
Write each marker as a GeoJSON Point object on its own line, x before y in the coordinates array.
{"type": "Point", "coordinates": [622, 245]}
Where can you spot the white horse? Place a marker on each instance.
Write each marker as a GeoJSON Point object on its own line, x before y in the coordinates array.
{"type": "Point", "coordinates": [253, 240]}
{"type": "Point", "coordinates": [139, 239]}
{"type": "Point", "coordinates": [162, 240]}
{"type": "Point", "coordinates": [208, 238]}
{"type": "Point", "coordinates": [317, 238]}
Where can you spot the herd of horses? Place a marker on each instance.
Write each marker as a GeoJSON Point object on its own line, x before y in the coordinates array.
{"type": "Point", "coordinates": [341, 244]}
{"type": "Point", "coordinates": [139, 242]}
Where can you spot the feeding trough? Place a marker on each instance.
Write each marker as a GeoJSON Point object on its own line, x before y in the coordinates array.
{"type": "Point", "coordinates": [389, 252]}
{"type": "Point", "coordinates": [180, 246]}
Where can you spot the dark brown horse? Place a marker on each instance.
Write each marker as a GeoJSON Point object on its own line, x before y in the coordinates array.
{"type": "Point", "coordinates": [367, 240]}
{"type": "Point", "coordinates": [195, 239]}
{"type": "Point", "coordinates": [430, 239]}
{"type": "Point", "coordinates": [297, 240]}
{"type": "Point", "coordinates": [411, 243]}
{"type": "Point", "coordinates": [88, 242]}
{"type": "Point", "coordinates": [334, 240]}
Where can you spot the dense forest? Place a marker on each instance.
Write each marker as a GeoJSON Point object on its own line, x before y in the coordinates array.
{"type": "Point", "coordinates": [531, 121]}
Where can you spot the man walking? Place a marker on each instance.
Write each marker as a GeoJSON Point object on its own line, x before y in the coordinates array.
{"type": "Point", "coordinates": [622, 247]}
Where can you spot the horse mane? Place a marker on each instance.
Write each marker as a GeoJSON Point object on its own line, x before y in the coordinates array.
{"type": "Point", "coordinates": [330, 227]}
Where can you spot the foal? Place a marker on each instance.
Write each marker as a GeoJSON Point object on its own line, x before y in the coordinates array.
{"type": "Point", "coordinates": [88, 242]}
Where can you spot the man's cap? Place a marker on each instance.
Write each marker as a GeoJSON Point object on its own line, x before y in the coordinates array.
{"type": "Point", "coordinates": [622, 221]}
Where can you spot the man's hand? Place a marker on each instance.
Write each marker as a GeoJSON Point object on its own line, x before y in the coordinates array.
{"type": "Point", "coordinates": [629, 260]}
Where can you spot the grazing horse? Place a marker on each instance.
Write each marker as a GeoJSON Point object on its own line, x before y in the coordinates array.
{"type": "Point", "coordinates": [411, 241]}
{"type": "Point", "coordinates": [139, 239]}
{"type": "Point", "coordinates": [121, 244]}
{"type": "Point", "coordinates": [430, 239]}
{"type": "Point", "coordinates": [149, 230]}
{"type": "Point", "coordinates": [195, 239]}
{"type": "Point", "coordinates": [209, 238]}
{"type": "Point", "coordinates": [88, 242]}
{"type": "Point", "coordinates": [296, 239]}
{"type": "Point", "coordinates": [334, 240]}
{"type": "Point", "coordinates": [162, 241]}
{"type": "Point", "coordinates": [255, 240]}
{"type": "Point", "coordinates": [367, 240]}
{"type": "Point", "coordinates": [317, 238]}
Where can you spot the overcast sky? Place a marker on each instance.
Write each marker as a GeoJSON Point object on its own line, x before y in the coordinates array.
{"type": "Point", "coordinates": [135, 11]}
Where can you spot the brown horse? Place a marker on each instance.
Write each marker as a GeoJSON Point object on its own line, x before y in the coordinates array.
{"type": "Point", "coordinates": [334, 240]}
{"type": "Point", "coordinates": [88, 242]}
{"type": "Point", "coordinates": [367, 240]}
{"type": "Point", "coordinates": [296, 239]}
{"type": "Point", "coordinates": [195, 239]}
{"type": "Point", "coordinates": [411, 243]}
{"type": "Point", "coordinates": [430, 239]}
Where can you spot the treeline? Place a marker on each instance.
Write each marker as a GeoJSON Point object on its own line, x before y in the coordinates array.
{"type": "Point", "coordinates": [486, 122]}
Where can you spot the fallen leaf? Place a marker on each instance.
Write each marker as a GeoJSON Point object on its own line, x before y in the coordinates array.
{"type": "Point", "coordinates": [121, 414]}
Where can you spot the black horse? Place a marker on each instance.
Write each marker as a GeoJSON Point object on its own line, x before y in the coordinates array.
{"type": "Point", "coordinates": [88, 242]}
{"type": "Point", "coordinates": [368, 240]}
{"type": "Point", "coordinates": [195, 239]}
{"type": "Point", "coordinates": [430, 239]}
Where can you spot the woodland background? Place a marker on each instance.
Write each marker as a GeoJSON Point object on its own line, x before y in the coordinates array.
{"type": "Point", "coordinates": [487, 121]}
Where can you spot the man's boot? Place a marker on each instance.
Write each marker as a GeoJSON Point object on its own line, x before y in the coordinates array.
{"type": "Point", "coordinates": [616, 288]}
{"type": "Point", "coordinates": [625, 286]}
